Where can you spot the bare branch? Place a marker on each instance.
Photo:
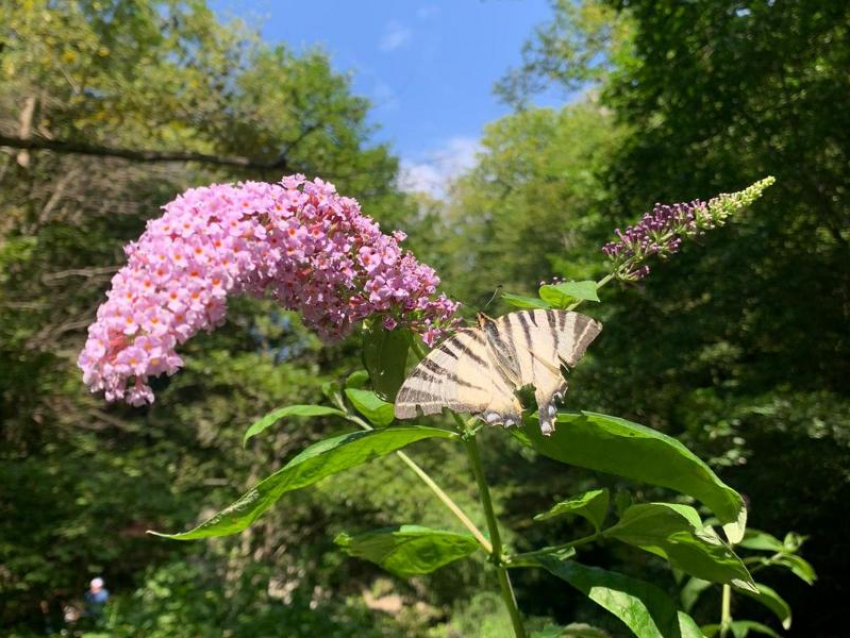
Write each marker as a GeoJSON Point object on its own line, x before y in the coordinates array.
{"type": "Point", "coordinates": [81, 148]}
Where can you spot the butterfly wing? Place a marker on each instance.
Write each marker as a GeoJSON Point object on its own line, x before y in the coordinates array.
{"type": "Point", "coordinates": [459, 374]}
{"type": "Point", "coordinates": [539, 342]}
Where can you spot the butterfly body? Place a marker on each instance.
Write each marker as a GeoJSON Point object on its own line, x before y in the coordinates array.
{"type": "Point", "coordinates": [479, 370]}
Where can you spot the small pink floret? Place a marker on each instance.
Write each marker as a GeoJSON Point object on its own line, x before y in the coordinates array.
{"type": "Point", "coordinates": [297, 242]}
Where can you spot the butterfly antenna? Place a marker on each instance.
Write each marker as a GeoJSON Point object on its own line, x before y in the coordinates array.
{"type": "Point", "coordinates": [495, 294]}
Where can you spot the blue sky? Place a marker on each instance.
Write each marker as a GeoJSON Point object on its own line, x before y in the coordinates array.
{"type": "Point", "coordinates": [428, 66]}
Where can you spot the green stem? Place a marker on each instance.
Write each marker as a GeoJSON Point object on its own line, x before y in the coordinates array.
{"type": "Point", "coordinates": [493, 526]}
{"type": "Point", "coordinates": [438, 491]}
{"type": "Point", "coordinates": [726, 611]}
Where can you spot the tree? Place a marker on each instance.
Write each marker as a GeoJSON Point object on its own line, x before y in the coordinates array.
{"type": "Point", "coordinates": [714, 95]}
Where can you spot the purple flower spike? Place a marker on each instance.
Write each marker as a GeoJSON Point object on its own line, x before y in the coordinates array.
{"type": "Point", "coordinates": [661, 232]}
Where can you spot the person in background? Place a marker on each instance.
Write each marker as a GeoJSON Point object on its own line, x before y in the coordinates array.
{"type": "Point", "coordinates": [96, 598]}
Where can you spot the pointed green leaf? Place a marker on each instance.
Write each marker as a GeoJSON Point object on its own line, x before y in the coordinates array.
{"type": "Point", "coordinates": [357, 379]}
{"type": "Point", "coordinates": [573, 630]}
{"type": "Point", "coordinates": [558, 552]}
{"type": "Point", "coordinates": [592, 505]}
{"type": "Point", "coordinates": [757, 539]}
{"type": "Point", "coordinates": [691, 592]}
{"type": "Point", "coordinates": [773, 601]}
{"type": "Point", "coordinates": [644, 608]}
{"type": "Point", "coordinates": [799, 566]}
{"type": "Point", "coordinates": [742, 629]}
{"type": "Point", "coordinates": [290, 410]}
{"type": "Point", "coordinates": [318, 461]}
{"type": "Point", "coordinates": [675, 532]}
{"type": "Point", "coordinates": [385, 357]}
{"type": "Point", "coordinates": [518, 301]}
{"type": "Point", "coordinates": [610, 444]}
{"type": "Point", "coordinates": [410, 549]}
{"type": "Point", "coordinates": [378, 412]}
{"type": "Point", "coordinates": [562, 295]}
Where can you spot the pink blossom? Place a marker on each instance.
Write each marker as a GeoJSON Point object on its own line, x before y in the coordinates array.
{"type": "Point", "coordinates": [297, 242]}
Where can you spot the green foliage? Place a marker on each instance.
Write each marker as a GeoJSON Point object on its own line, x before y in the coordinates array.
{"type": "Point", "coordinates": [564, 294]}
{"type": "Point", "coordinates": [617, 446]}
{"type": "Point", "coordinates": [291, 410]}
{"type": "Point", "coordinates": [675, 532]}
{"type": "Point", "coordinates": [592, 505]}
{"type": "Point", "coordinates": [644, 608]}
{"type": "Point", "coordinates": [385, 358]}
{"type": "Point", "coordinates": [409, 549]}
{"type": "Point", "coordinates": [379, 413]}
{"type": "Point", "coordinates": [320, 460]}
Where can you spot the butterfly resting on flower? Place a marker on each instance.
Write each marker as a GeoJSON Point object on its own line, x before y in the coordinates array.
{"type": "Point", "coordinates": [478, 370]}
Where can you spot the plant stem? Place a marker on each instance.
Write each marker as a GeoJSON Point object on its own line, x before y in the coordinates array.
{"type": "Point", "coordinates": [726, 611]}
{"type": "Point", "coordinates": [493, 526]}
{"type": "Point", "coordinates": [438, 491]}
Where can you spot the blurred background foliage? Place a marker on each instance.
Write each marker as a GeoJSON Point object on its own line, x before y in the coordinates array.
{"type": "Point", "coordinates": [739, 345]}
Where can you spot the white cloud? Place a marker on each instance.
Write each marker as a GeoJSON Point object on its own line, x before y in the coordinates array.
{"type": "Point", "coordinates": [434, 173]}
{"type": "Point", "coordinates": [395, 35]}
{"type": "Point", "coordinates": [427, 11]}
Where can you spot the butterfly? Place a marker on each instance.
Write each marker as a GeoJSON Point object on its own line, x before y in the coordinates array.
{"type": "Point", "coordinates": [478, 370]}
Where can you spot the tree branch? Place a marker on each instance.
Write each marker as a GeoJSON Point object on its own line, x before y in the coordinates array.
{"type": "Point", "coordinates": [81, 148]}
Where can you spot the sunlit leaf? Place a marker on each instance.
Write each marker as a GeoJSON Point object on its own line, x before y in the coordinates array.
{"type": "Point", "coordinates": [564, 294]}
{"type": "Point", "coordinates": [691, 592]}
{"type": "Point", "coordinates": [518, 301]}
{"type": "Point", "coordinates": [799, 566]}
{"type": "Point", "coordinates": [410, 549]}
{"type": "Point", "coordinates": [289, 411]}
{"type": "Point", "coordinates": [592, 505]}
{"type": "Point", "coordinates": [385, 357]}
{"type": "Point", "coordinates": [357, 379]}
{"type": "Point", "coordinates": [573, 630]}
{"type": "Point", "coordinates": [616, 446]}
{"type": "Point", "coordinates": [378, 412]}
{"type": "Point", "coordinates": [742, 629]}
{"type": "Point", "coordinates": [320, 460]}
{"type": "Point", "coordinates": [773, 601]}
{"type": "Point", "coordinates": [757, 539]}
{"type": "Point", "coordinates": [644, 608]}
{"type": "Point", "coordinates": [675, 532]}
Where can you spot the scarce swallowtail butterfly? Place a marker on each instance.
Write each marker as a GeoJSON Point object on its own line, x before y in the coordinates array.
{"type": "Point", "coordinates": [478, 370]}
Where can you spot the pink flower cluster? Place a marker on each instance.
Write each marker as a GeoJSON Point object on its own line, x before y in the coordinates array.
{"type": "Point", "coordinates": [297, 242]}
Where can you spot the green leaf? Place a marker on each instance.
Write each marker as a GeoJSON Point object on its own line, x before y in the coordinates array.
{"type": "Point", "coordinates": [773, 601]}
{"type": "Point", "coordinates": [320, 460]}
{"type": "Point", "coordinates": [558, 552]}
{"type": "Point", "coordinates": [573, 630]}
{"type": "Point", "coordinates": [643, 607]}
{"type": "Point", "coordinates": [592, 505]}
{"type": "Point", "coordinates": [742, 628]}
{"type": "Point", "coordinates": [616, 446]}
{"type": "Point", "coordinates": [518, 301]}
{"type": "Point", "coordinates": [562, 295]}
{"type": "Point", "coordinates": [357, 379]}
{"type": "Point", "coordinates": [385, 357]}
{"type": "Point", "coordinates": [799, 566]}
{"type": "Point", "coordinates": [290, 410]}
{"type": "Point", "coordinates": [379, 413]}
{"type": "Point", "coordinates": [675, 532]}
{"type": "Point", "coordinates": [410, 549]}
{"type": "Point", "coordinates": [691, 592]}
{"type": "Point", "coordinates": [709, 631]}
{"type": "Point", "coordinates": [757, 539]}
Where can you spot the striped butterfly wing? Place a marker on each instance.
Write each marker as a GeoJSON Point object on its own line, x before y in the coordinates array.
{"type": "Point", "coordinates": [534, 344]}
{"type": "Point", "coordinates": [460, 374]}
